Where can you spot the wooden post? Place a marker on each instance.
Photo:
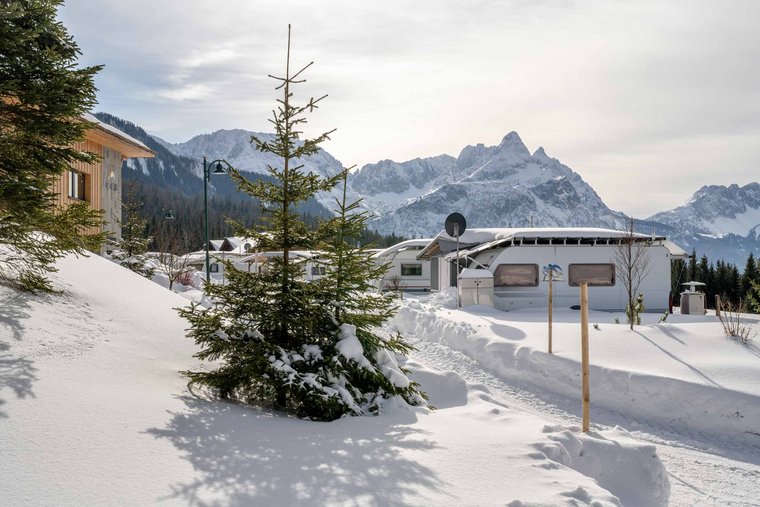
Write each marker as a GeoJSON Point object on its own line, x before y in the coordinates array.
{"type": "Point", "coordinates": [551, 272]}
{"type": "Point", "coordinates": [717, 305]}
{"type": "Point", "coordinates": [584, 354]}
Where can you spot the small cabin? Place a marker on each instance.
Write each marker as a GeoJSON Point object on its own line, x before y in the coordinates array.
{"type": "Point", "coordinates": [519, 260]}
{"type": "Point", "coordinates": [406, 272]}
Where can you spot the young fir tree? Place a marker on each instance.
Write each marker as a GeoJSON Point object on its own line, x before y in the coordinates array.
{"type": "Point", "coordinates": [365, 356]}
{"type": "Point", "coordinates": [275, 337]}
{"type": "Point", "coordinates": [42, 98]}
{"type": "Point", "coordinates": [130, 248]}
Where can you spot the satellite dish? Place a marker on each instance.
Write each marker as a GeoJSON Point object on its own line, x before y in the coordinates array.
{"type": "Point", "coordinates": [455, 225]}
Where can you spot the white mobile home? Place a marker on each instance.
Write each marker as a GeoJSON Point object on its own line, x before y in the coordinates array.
{"type": "Point", "coordinates": [518, 260]}
{"type": "Point", "coordinates": [406, 271]}
{"type": "Point", "coordinates": [313, 264]}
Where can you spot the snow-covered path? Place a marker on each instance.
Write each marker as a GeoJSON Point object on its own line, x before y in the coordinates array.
{"type": "Point", "coordinates": [702, 471]}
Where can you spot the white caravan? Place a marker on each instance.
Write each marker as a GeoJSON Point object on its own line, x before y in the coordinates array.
{"type": "Point", "coordinates": [313, 264]}
{"type": "Point", "coordinates": [519, 260]}
{"type": "Point", "coordinates": [406, 271]}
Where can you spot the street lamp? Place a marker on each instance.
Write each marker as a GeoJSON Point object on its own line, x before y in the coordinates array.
{"type": "Point", "coordinates": [207, 172]}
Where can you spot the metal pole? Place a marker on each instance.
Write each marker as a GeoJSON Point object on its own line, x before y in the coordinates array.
{"type": "Point", "coordinates": [551, 273]}
{"type": "Point", "coordinates": [205, 218]}
{"type": "Point", "coordinates": [584, 356]}
{"type": "Point", "coordinates": [456, 233]}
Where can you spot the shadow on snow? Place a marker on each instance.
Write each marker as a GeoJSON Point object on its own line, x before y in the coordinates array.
{"type": "Point", "coordinates": [246, 456]}
{"type": "Point", "coordinates": [16, 373]}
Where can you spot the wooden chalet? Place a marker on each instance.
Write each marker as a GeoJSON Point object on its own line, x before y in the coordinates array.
{"type": "Point", "coordinates": [100, 183]}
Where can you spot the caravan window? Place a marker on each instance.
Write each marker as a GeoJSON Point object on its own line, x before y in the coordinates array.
{"type": "Point", "coordinates": [593, 274]}
{"type": "Point", "coordinates": [318, 270]}
{"type": "Point", "coordinates": [411, 270]}
{"type": "Point", "coordinates": [516, 275]}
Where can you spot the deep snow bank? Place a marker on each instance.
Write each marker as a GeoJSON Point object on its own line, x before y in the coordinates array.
{"type": "Point", "coordinates": [93, 411]}
{"type": "Point", "coordinates": [683, 375]}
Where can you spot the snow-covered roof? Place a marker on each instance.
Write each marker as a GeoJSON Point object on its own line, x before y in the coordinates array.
{"type": "Point", "coordinates": [130, 146]}
{"type": "Point", "coordinates": [404, 245]}
{"type": "Point", "coordinates": [491, 234]}
{"type": "Point", "coordinates": [302, 255]}
{"type": "Point", "coordinates": [676, 252]}
{"type": "Point", "coordinates": [237, 244]}
{"type": "Point", "coordinates": [476, 240]}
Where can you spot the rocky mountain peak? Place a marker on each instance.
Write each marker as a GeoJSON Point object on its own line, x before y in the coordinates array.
{"type": "Point", "coordinates": [540, 154]}
{"type": "Point", "coordinates": [513, 144]}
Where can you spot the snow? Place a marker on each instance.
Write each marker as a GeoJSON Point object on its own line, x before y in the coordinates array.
{"type": "Point", "coordinates": [110, 128]}
{"type": "Point", "coordinates": [93, 411]}
{"type": "Point", "coordinates": [349, 347]}
{"type": "Point", "coordinates": [484, 235]}
{"type": "Point", "coordinates": [741, 224]}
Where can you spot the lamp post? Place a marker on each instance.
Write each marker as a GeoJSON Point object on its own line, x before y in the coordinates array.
{"type": "Point", "coordinates": [207, 172]}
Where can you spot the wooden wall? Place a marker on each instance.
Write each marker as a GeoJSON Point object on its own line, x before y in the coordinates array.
{"type": "Point", "coordinates": [93, 180]}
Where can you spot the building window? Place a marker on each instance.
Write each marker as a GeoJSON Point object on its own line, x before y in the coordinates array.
{"type": "Point", "coordinates": [599, 275]}
{"type": "Point", "coordinates": [214, 268]}
{"type": "Point", "coordinates": [516, 275]}
{"type": "Point", "coordinates": [77, 185]}
{"type": "Point", "coordinates": [411, 270]}
{"type": "Point", "coordinates": [318, 270]}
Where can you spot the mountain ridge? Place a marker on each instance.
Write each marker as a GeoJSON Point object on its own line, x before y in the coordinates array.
{"type": "Point", "coordinates": [493, 186]}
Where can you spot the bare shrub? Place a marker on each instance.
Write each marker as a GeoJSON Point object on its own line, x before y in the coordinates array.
{"type": "Point", "coordinates": [395, 284]}
{"type": "Point", "coordinates": [733, 324]}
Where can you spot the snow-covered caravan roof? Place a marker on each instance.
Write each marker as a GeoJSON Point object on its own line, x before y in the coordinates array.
{"type": "Point", "coordinates": [299, 255]}
{"type": "Point", "coordinates": [676, 252]}
{"type": "Point", "coordinates": [410, 244]}
{"type": "Point", "coordinates": [215, 244]}
{"type": "Point", "coordinates": [477, 240]}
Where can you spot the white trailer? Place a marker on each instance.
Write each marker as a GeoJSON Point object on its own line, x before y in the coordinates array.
{"type": "Point", "coordinates": [312, 262]}
{"type": "Point", "coordinates": [406, 272]}
{"type": "Point", "coordinates": [519, 258]}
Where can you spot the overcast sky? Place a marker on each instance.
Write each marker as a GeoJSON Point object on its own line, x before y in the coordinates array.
{"type": "Point", "coordinates": [647, 101]}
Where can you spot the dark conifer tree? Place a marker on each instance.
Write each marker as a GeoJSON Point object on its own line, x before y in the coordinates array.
{"type": "Point", "coordinates": [692, 270]}
{"type": "Point", "coordinates": [750, 273]}
{"type": "Point", "coordinates": [278, 339]}
{"type": "Point", "coordinates": [130, 248]}
{"type": "Point", "coordinates": [43, 95]}
{"type": "Point", "coordinates": [734, 290]}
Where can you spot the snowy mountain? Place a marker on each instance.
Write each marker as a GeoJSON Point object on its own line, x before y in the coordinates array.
{"type": "Point", "coordinates": [167, 169]}
{"type": "Point", "coordinates": [235, 147]}
{"type": "Point", "coordinates": [387, 185]}
{"type": "Point", "coordinates": [718, 221]}
{"type": "Point", "coordinates": [492, 186]}
{"type": "Point", "coordinates": [179, 167]}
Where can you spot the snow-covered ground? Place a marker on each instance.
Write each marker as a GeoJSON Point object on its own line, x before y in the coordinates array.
{"type": "Point", "coordinates": [93, 411]}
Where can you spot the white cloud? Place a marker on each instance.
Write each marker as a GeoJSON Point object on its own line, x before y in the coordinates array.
{"type": "Point", "coordinates": [627, 94]}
